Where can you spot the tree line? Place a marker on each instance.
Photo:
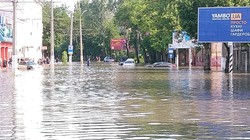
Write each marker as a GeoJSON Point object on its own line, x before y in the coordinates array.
{"type": "Point", "coordinates": [146, 24]}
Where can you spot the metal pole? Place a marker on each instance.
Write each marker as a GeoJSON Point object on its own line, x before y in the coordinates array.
{"type": "Point", "coordinates": [177, 58]}
{"type": "Point", "coordinates": [230, 44]}
{"type": "Point", "coordinates": [71, 37]}
{"type": "Point", "coordinates": [52, 57]}
{"type": "Point", "coordinates": [81, 44]}
{"type": "Point", "coordinates": [14, 52]}
{"type": "Point", "coordinates": [246, 61]}
{"type": "Point", "coordinates": [81, 47]}
{"type": "Point", "coordinates": [190, 58]}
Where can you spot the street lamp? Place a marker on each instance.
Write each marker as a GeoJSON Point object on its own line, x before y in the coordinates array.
{"type": "Point", "coordinates": [81, 46]}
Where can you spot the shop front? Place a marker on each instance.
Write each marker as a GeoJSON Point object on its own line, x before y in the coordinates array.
{"type": "Point", "coordinates": [5, 54]}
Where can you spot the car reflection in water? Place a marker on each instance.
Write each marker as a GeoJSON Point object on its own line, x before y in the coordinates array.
{"type": "Point", "coordinates": [27, 65]}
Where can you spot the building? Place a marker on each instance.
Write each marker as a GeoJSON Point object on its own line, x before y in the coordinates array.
{"type": "Point", "coordinates": [28, 29]}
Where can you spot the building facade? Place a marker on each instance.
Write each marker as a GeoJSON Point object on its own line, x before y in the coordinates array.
{"type": "Point", "coordinates": [28, 30]}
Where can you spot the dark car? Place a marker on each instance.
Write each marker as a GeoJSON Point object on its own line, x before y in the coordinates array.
{"type": "Point", "coordinates": [162, 64]}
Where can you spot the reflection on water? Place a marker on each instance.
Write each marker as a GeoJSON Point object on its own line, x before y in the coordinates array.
{"type": "Point", "coordinates": [107, 101]}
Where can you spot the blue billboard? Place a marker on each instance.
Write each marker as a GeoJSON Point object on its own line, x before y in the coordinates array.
{"type": "Point", "coordinates": [224, 24]}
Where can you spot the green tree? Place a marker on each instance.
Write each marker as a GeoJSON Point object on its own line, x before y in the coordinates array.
{"type": "Point", "coordinates": [64, 57]}
{"type": "Point", "coordinates": [147, 24]}
{"type": "Point", "coordinates": [61, 28]}
{"type": "Point", "coordinates": [153, 20]}
{"type": "Point", "coordinates": [98, 27]}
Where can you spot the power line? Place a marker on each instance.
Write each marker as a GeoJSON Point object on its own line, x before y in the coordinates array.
{"type": "Point", "coordinates": [9, 11]}
{"type": "Point", "coordinates": [34, 1]}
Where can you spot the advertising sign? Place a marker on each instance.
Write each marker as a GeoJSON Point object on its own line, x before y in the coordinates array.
{"type": "Point", "coordinates": [181, 40]}
{"type": "Point", "coordinates": [224, 24]}
{"type": "Point", "coordinates": [118, 44]}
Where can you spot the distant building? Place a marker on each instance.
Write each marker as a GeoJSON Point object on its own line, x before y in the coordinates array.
{"type": "Point", "coordinates": [29, 29]}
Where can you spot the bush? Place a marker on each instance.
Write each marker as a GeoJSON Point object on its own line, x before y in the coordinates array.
{"type": "Point", "coordinates": [64, 57]}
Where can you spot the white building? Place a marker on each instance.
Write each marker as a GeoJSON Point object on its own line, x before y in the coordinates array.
{"type": "Point", "coordinates": [29, 28]}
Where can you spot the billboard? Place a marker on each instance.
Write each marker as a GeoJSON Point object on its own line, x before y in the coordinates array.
{"type": "Point", "coordinates": [181, 40]}
{"type": "Point", "coordinates": [180, 37]}
{"type": "Point", "coordinates": [224, 24]}
{"type": "Point", "coordinates": [118, 44]}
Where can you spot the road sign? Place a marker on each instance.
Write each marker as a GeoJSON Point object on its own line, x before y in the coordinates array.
{"type": "Point", "coordinates": [170, 55]}
{"type": "Point", "coordinates": [224, 24]}
{"type": "Point", "coordinates": [170, 52]}
{"type": "Point", "coordinates": [70, 49]}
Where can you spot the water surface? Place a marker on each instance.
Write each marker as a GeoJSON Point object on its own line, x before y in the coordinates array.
{"type": "Point", "coordinates": [107, 101]}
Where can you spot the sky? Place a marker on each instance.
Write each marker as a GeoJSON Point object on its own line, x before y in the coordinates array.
{"type": "Point", "coordinates": [69, 3]}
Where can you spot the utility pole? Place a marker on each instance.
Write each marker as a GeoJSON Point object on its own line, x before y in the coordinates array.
{"type": "Point", "coordinates": [81, 47]}
{"type": "Point", "coordinates": [81, 44]}
{"type": "Point", "coordinates": [14, 52]}
{"type": "Point", "coordinates": [52, 57]}
{"type": "Point", "coordinates": [70, 48]}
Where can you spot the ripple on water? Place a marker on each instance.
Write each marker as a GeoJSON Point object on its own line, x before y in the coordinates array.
{"type": "Point", "coordinates": [107, 101]}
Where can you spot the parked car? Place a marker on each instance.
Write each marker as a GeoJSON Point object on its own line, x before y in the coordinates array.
{"type": "Point", "coordinates": [129, 62]}
{"type": "Point", "coordinates": [162, 64]}
{"type": "Point", "coordinates": [122, 60]}
{"type": "Point", "coordinates": [27, 65]}
{"type": "Point", "coordinates": [108, 59]}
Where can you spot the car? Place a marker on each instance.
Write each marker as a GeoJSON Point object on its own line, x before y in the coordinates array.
{"type": "Point", "coordinates": [122, 60]}
{"type": "Point", "coordinates": [162, 64]}
{"type": "Point", "coordinates": [129, 62]}
{"type": "Point", "coordinates": [27, 65]}
{"type": "Point", "coordinates": [108, 59]}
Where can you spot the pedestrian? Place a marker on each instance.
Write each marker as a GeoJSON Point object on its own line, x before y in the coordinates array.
{"type": "Point", "coordinates": [47, 60]}
{"type": "Point", "coordinates": [10, 62]}
{"type": "Point", "coordinates": [88, 61]}
{"type": "Point", "coordinates": [57, 60]}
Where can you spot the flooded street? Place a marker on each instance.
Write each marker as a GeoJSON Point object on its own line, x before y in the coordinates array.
{"type": "Point", "coordinates": [107, 101]}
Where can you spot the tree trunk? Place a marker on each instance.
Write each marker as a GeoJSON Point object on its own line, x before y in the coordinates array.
{"type": "Point", "coordinates": [207, 57]}
{"type": "Point", "coordinates": [137, 47]}
{"type": "Point", "coordinates": [127, 47]}
{"type": "Point", "coordinates": [145, 56]}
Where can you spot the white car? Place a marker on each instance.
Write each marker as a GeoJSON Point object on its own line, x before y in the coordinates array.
{"type": "Point", "coordinates": [27, 65]}
{"type": "Point", "coordinates": [129, 62]}
{"type": "Point", "coordinates": [108, 59]}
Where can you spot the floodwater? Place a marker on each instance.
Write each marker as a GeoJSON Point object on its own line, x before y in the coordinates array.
{"type": "Point", "coordinates": [107, 101]}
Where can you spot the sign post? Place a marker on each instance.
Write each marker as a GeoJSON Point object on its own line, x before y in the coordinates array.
{"type": "Point", "coordinates": [230, 45]}
{"type": "Point", "coordinates": [70, 52]}
{"type": "Point", "coordinates": [170, 53]}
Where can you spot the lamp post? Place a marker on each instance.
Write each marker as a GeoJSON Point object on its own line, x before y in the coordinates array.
{"type": "Point", "coordinates": [81, 46]}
